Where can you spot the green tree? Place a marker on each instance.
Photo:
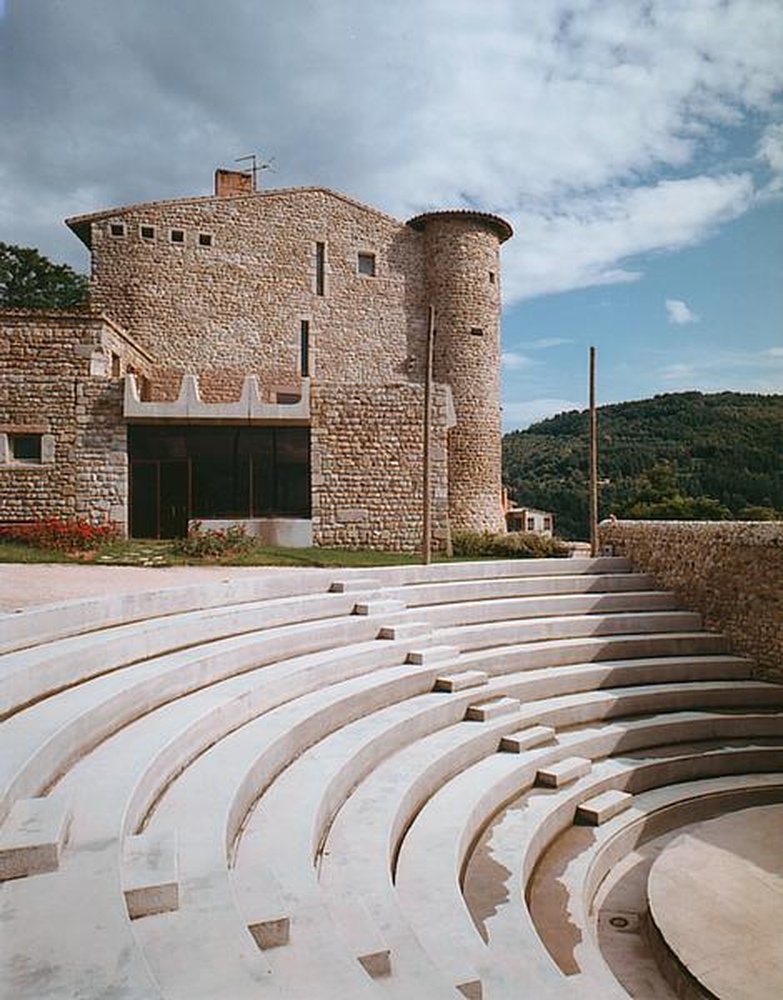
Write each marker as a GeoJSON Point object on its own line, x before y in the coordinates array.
{"type": "Point", "coordinates": [28, 280]}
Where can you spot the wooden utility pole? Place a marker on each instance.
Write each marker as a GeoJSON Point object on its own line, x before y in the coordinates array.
{"type": "Point", "coordinates": [426, 536]}
{"type": "Point", "coordinates": [593, 461]}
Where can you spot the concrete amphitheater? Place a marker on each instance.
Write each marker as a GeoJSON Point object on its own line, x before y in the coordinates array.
{"type": "Point", "coordinates": [483, 780]}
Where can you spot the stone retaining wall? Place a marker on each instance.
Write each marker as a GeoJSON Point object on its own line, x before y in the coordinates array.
{"type": "Point", "coordinates": [730, 571]}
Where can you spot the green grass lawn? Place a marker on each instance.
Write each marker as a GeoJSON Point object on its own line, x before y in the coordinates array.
{"type": "Point", "coordinates": [149, 552]}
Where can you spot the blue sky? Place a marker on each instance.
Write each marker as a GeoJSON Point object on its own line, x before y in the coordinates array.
{"type": "Point", "coordinates": [636, 147]}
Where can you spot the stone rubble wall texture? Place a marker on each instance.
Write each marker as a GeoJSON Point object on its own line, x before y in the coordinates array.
{"type": "Point", "coordinates": [367, 448]}
{"type": "Point", "coordinates": [235, 308]}
{"type": "Point", "coordinates": [463, 284]}
{"type": "Point", "coordinates": [729, 571]}
{"type": "Point", "coordinates": [56, 379]}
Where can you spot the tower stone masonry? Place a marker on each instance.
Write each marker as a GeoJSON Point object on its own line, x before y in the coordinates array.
{"type": "Point", "coordinates": [462, 259]}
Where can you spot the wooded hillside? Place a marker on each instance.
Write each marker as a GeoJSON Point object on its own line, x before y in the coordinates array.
{"type": "Point", "coordinates": [676, 455]}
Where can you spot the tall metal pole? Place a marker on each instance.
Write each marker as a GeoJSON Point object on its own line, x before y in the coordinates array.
{"type": "Point", "coordinates": [593, 461]}
{"type": "Point", "coordinates": [426, 537]}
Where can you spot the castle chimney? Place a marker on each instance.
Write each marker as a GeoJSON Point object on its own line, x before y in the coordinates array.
{"type": "Point", "coordinates": [230, 183]}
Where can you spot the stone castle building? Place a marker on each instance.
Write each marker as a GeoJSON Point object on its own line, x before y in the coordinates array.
{"type": "Point", "coordinates": [260, 357]}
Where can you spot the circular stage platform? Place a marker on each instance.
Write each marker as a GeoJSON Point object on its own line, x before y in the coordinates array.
{"type": "Point", "coordinates": [716, 900]}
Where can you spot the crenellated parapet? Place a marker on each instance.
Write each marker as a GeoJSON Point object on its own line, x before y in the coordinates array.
{"type": "Point", "coordinates": [189, 407]}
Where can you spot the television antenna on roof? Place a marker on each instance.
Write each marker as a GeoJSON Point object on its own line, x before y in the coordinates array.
{"type": "Point", "coordinates": [256, 167]}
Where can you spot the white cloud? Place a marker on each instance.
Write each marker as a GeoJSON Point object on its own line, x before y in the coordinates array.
{"type": "Point", "coordinates": [715, 370]}
{"type": "Point", "coordinates": [518, 415]}
{"type": "Point", "coordinates": [544, 343]}
{"type": "Point", "coordinates": [514, 361]}
{"type": "Point", "coordinates": [678, 371]}
{"type": "Point", "coordinates": [680, 312]}
{"type": "Point", "coordinates": [586, 239]}
{"type": "Point", "coordinates": [770, 151]}
{"type": "Point", "coordinates": [562, 115]}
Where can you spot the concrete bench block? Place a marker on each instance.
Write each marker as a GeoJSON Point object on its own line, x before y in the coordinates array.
{"type": "Point", "coordinates": [271, 933]}
{"type": "Point", "coordinates": [485, 710]}
{"type": "Point", "coordinates": [563, 772]}
{"type": "Point", "coordinates": [379, 607]}
{"type": "Point", "coordinates": [603, 807]}
{"type": "Point", "coordinates": [526, 739]}
{"type": "Point", "coordinates": [33, 837]}
{"type": "Point", "coordinates": [356, 583]}
{"type": "Point", "coordinates": [405, 630]}
{"type": "Point", "coordinates": [376, 964]}
{"type": "Point", "coordinates": [459, 682]}
{"type": "Point", "coordinates": [432, 654]}
{"type": "Point", "coordinates": [150, 881]}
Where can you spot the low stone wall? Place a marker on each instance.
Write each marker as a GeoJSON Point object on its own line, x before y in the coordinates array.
{"type": "Point", "coordinates": [730, 571]}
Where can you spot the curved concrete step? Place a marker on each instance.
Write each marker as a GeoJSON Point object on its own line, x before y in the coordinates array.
{"type": "Point", "coordinates": [261, 796]}
{"type": "Point", "coordinates": [435, 848]}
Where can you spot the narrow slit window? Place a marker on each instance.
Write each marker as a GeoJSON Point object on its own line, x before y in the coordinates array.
{"type": "Point", "coordinates": [304, 348]}
{"type": "Point", "coordinates": [320, 268]}
{"type": "Point", "coordinates": [476, 331]}
{"type": "Point", "coordinates": [492, 277]}
{"type": "Point", "coordinates": [366, 264]}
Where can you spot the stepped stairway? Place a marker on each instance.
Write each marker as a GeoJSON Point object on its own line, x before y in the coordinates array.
{"type": "Point", "coordinates": [415, 783]}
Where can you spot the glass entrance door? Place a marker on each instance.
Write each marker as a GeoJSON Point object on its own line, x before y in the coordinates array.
{"type": "Point", "coordinates": [159, 501]}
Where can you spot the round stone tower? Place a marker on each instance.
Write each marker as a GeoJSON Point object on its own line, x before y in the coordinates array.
{"type": "Point", "coordinates": [462, 261]}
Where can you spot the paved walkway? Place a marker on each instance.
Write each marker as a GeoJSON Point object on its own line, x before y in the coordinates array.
{"type": "Point", "coordinates": [26, 585]}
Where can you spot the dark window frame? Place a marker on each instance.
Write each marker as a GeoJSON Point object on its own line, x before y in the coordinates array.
{"type": "Point", "coordinates": [367, 264]}
{"type": "Point", "coordinates": [320, 268]}
{"type": "Point", "coordinates": [234, 473]}
{"type": "Point", "coordinates": [304, 348]}
{"type": "Point", "coordinates": [25, 447]}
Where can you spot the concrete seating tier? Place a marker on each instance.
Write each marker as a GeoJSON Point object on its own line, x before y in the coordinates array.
{"type": "Point", "coordinates": [342, 784]}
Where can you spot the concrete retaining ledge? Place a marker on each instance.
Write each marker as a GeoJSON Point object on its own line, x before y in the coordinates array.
{"type": "Point", "coordinates": [729, 571]}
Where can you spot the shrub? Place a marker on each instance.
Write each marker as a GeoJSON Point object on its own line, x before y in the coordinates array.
{"type": "Point", "coordinates": [514, 545]}
{"type": "Point", "coordinates": [73, 535]}
{"type": "Point", "coordinates": [208, 543]}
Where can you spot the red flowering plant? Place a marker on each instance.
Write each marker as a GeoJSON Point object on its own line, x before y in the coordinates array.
{"type": "Point", "coordinates": [71, 535]}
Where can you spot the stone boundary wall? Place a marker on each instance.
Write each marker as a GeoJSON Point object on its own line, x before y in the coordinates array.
{"type": "Point", "coordinates": [730, 571]}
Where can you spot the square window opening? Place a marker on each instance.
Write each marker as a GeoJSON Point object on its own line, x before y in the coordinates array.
{"type": "Point", "coordinates": [366, 264]}
{"type": "Point", "coordinates": [147, 232]}
{"type": "Point", "coordinates": [117, 229]}
{"type": "Point", "coordinates": [205, 239]}
{"type": "Point", "coordinates": [177, 235]}
{"type": "Point", "coordinates": [26, 447]}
